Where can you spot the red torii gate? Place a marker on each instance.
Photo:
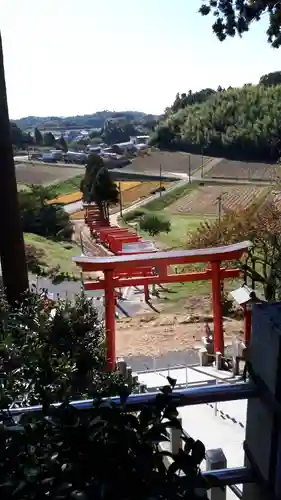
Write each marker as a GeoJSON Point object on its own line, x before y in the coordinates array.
{"type": "Point", "coordinates": [161, 261]}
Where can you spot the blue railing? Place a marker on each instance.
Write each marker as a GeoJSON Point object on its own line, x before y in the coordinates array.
{"type": "Point", "coordinates": [183, 397]}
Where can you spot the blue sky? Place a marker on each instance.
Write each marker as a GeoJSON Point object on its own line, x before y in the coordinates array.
{"type": "Point", "coordinates": [68, 57]}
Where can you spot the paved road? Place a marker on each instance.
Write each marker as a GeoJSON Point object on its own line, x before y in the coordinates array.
{"type": "Point", "coordinates": [73, 207]}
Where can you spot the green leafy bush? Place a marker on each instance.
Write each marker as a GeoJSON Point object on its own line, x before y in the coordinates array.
{"type": "Point", "coordinates": [53, 352]}
{"type": "Point", "coordinates": [153, 224]}
{"type": "Point", "coordinates": [103, 453]}
{"type": "Point", "coordinates": [133, 214]}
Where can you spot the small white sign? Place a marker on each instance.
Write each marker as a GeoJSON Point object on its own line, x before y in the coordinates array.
{"type": "Point", "coordinates": [140, 247]}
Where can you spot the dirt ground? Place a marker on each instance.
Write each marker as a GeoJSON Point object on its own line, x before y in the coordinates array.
{"type": "Point", "coordinates": [169, 161]}
{"type": "Point", "coordinates": [36, 173]}
{"type": "Point", "coordinates": [204, 200]}
{"type": "Point", "coordinates": [157, 334]}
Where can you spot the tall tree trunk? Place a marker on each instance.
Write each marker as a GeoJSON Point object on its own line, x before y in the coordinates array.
{"type": "Point", "coordinates": [12, 253]}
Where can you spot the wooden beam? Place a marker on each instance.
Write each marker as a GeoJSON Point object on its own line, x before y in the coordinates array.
{"type": "Point", "coordinates": [156, 280]}
{"type": "Point", "coordinates": [127, 262]}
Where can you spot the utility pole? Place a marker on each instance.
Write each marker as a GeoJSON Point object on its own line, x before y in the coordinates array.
{"type": "Point", "coordinates": [219, 198]}
{"type": "Point", "coordinates": [120, 200]}
{"type": "Point", "coordinates": [189, 170]}
{"type": "Point", "coordinates": [160, 176]}
{"type": "Point", "coordinates": [12, 253]}
{"type": "Point", "coordinates": [81, 242]}
{"type": "Point", "coordinates": [202, 162]}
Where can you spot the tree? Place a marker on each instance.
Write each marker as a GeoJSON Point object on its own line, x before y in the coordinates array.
{"type": "Point", "coordinates": [62, 144]}
{"type": "Point", "coordinates": [12, 254]}
{"type": "Point", "coordinates": [153, 224]}
{"type": "Point", "coordinates": [240, 123]}
{"type": "Point", "coordinates": [49, 139]}
{"type": "Point", "coordinates": [271, 79]}
{"type": "Point", "coordinates": [260, 224]}
{"type": "Point", "coordinates": [183, 100]}
{"type": "Point", "coordinates": [98, 186]}
{"type": "Point", "coordinates": [40, 217]}
{"type": "Point", "coordinates": [38, 137]}
{"type": "Point", "coordinates": [19, 138]}
{"type": "Point", "coordinates": [117, 130]}
{"type": "Point", "coordinates": [236, 17]}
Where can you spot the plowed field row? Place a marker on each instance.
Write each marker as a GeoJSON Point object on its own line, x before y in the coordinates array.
{"type": "Point", "coordinates": [37, 173]}
{"type": "Point", "coordinates": [243, 170]}
{"type": "Point", "coordinates": [204, 200]}
{"type": "Point", "coordinates": [142, 190]}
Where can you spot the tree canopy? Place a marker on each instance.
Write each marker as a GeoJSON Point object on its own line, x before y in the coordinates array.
{"type": "Point", "coordinates": [244, 123]}
{"type": "Point", "coordinates": [98, 186]}
{"type": "Point", "coordinates": [19, 138]}
{"type": "Point", "coordinates": [260, 224]}
{"type": "Point", "coordinates": [236, 17]}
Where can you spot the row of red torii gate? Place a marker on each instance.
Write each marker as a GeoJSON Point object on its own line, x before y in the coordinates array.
{"type": "Point", "coordinates": [131, 261]}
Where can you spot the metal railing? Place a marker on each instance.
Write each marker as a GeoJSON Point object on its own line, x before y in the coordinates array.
{"type": "Point", "coordinates": [185, 397]}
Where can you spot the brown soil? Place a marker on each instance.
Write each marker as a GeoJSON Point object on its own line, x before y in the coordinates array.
{"type": "Point", "coordinates": [245, 170]}
{"type": "Point", "coordinates": [155, 335]}
{"type": "Point", "coordinates": [29, 173]}
{"type": "Point", "coordinates": [204, 200]}
{"type": "Point", "coordinates": [170, 162]}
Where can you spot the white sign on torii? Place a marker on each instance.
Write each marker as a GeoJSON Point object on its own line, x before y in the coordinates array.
{"type": "Point", "coordinates": [140, 247]}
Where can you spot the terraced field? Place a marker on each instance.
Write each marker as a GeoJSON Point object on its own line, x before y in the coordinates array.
{"type": "Point", "coordinates": [131, 192]}
{"type": "Point", "coordinates": [204, 200]}
{"type": "Point", "coordinates": [170, 162]}
{"type": "Point", "coordinates": [33, 173]}
{"type": "Point", "coordinates": [67, 198]}
{"type": "Point", "coordinates": [140, 191]}
{"type": "Point", "coordinates": [244, 170]}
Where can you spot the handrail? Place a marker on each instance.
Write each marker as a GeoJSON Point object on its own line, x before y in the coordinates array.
{"type": "Point", "coordinates": [182, 397]}
{"type": "Point", "coordinates": [236, 475]}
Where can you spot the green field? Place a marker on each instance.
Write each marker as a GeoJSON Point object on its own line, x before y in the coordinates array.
{"type": "Point", "coordinates": [181, 226]}
{"type": "Point", "coordinates": [68, 186]}
{"type": "Point", "coordinates": [55, 253]}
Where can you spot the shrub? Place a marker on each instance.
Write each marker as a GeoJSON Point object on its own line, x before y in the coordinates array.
{"type": "Point", "coordinates": [34, 257]}
{"type": "Point", "coordinates": [45, 358]}
{"type": "Point", "coordinates": [153, 224]}
{"type": "Point", "coordinates": [133, 214]}
{"type": "Point", "coordinates": [104, 453]}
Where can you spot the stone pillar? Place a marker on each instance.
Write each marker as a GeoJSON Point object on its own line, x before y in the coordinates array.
{"type": "Point", "coordinates": [216, 459]}
{"type": "Point", "coordinates": [176, 440]}
{"type": "Point", "coordinates": [203, 357]}
{"type": "Point", "coordinates": [263, 431]}
{"type": "Point", "coordinates": [218, 360]}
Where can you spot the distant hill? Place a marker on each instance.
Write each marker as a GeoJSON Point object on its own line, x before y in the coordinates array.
{"type": "Point", "coordinates": [237, 123]}
{"type": "Point", "coordinates": [92, 121]}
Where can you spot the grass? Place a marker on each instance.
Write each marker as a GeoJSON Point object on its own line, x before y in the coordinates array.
{"type": "Point", "coordinates": [55, 253]}
{"type": "Point", "coordinates": [167, 199]}
{"type": "Point", "coordinates": [68, 186]}
{"type": "Point", "coordinates": [181, 225]}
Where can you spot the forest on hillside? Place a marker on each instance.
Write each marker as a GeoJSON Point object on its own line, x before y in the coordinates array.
{"type": "Point", "coordinates": [240, 123]}
{"type": "Point", "coordinates": [95, 120]}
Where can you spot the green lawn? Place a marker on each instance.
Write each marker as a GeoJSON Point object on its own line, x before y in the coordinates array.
{"type": "Point", "coordinates": [55, 253]}
{"type": "Point", "coordinates": [68, 186]}
{"type": "Point", "coordinates": [180, 227]}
